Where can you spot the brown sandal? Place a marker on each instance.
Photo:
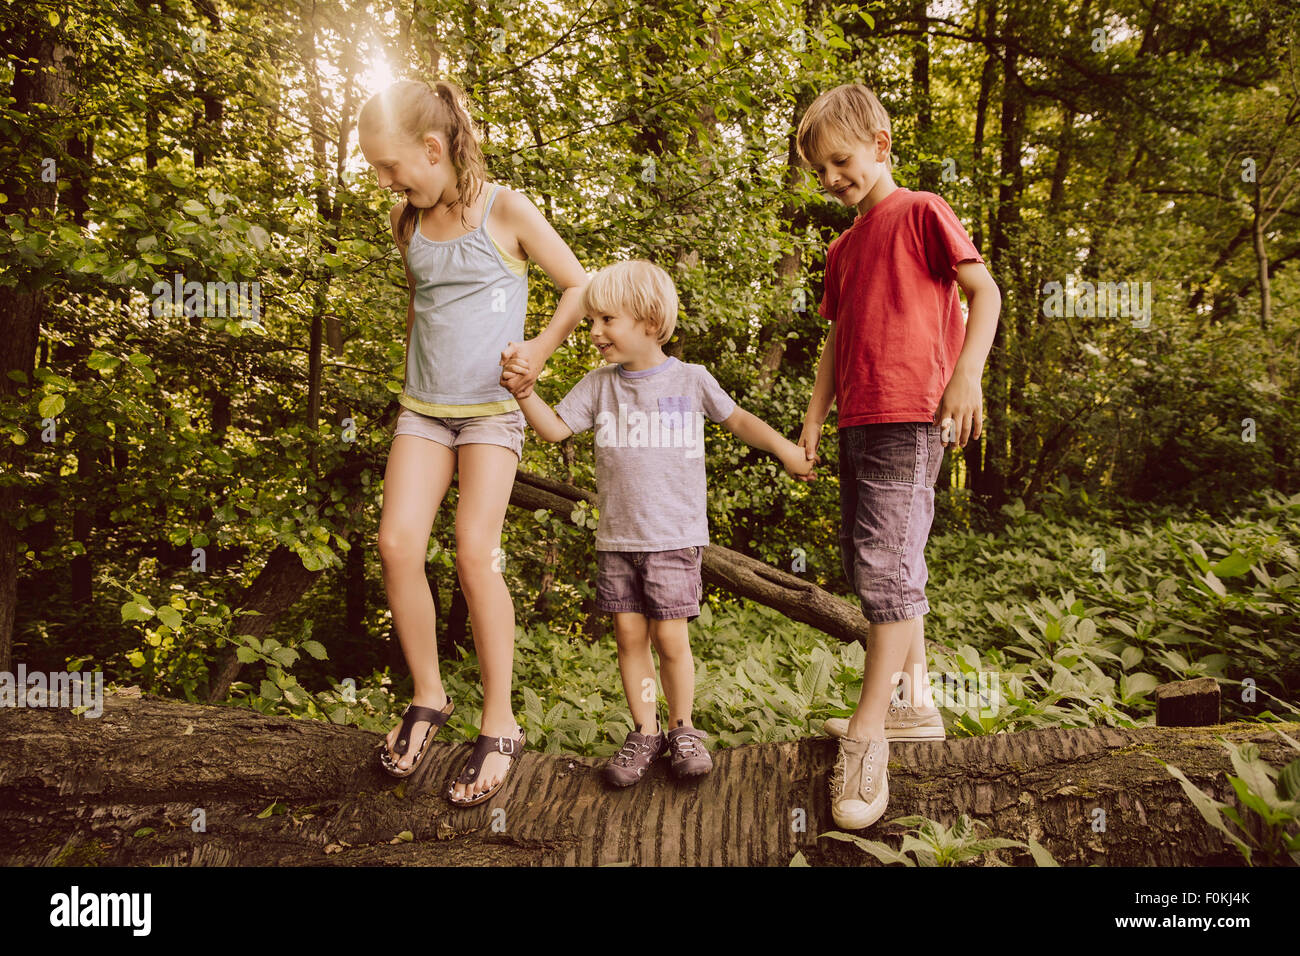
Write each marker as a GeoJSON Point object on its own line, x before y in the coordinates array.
{"type": "Point", "coordinates": [483, 746]}
{"type": "Point", "coordinates": [410, 717]}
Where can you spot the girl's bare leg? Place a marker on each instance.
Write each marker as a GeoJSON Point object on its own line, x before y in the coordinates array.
{"type": "Point", "coordinates": [416, 479]}
{"type": "Point", "coordinates": [487, 473]}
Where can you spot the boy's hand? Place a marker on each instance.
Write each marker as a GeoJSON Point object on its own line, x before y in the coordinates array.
{"type": "Point", "coordinates": [796, 461]}
{"type": "Point", "coordinates": [517, 377]}
{"type": "Point", "coordinates": [809, 439]}
{"type": "Point", "coordinates": [530, 354]}
{"type": "Point", "coordinates": [959, 417]}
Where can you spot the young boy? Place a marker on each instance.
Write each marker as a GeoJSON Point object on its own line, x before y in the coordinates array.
{"type": "Point", "coordinates": [900, 360]}
{"type": "Point", "coordinates": [648, 411]}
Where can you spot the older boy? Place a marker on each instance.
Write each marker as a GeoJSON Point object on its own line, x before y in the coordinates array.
{"type": "Point", "coordinates": [648, 411]}
{"type": "Point", "coordinates": [897, 351]}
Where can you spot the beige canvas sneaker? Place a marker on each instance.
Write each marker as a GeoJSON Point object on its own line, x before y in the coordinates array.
{"type": "Point", "coordinates": [901, 723]}
{"type": "Point", "coordinates": [860, 783]}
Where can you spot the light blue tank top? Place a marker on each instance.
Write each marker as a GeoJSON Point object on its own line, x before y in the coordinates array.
{"type": "Point", "coordinates": [470, 299]}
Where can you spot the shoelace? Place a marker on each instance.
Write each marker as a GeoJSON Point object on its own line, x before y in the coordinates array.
{"type": "Point", "coordinates": [685, 745]}
{"type": "Point", "coordinates": [627, 753]}
{"type": "Point", "coordinates": [840, 773]}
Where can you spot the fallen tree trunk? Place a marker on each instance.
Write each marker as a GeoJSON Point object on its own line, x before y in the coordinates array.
{"type": "Point", "coordinates": [129, 787]}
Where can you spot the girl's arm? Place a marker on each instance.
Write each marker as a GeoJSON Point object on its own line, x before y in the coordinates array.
{"type": "Point", "coordinates": [393, 215]}
{"type": "Point", "coordinates": [963, 398]}
{"type": "Point", "coordinates": [753, 431]}
{"type": "Point", "coordinates": [543, 244]}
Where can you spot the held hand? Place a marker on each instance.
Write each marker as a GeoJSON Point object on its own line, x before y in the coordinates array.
{"type": "Point", "coordinates": [959, 417]}
{"type": "Point", "coordinates": [516, 378]}
{"type": "Point", "coordinates": [530, 353]}
{"type": "Point", "coordinates": [808, 441]}
{"type": "Point", "coordinates": [796, 461]}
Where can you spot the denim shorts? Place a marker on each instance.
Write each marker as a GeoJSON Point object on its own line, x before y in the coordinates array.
{"type": "Point", "coordinates": [665, 585]}
{"type": "Point", "coordinates": [505, 428]}
{"type": "Point", "coordinates": [887, 477]}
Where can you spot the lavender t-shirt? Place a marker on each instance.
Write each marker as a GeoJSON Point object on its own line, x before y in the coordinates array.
{"type": "Point", "coordinates": [650, 484]}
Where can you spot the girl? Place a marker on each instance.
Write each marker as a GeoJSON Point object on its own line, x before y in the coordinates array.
{"type": "Point", "coordinates": [465, 243]}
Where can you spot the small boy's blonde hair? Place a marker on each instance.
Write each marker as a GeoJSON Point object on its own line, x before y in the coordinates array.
{"type": "Point", "coordinates": [638, 288]}
{"type": "Point", "coordinates": [841, 117]}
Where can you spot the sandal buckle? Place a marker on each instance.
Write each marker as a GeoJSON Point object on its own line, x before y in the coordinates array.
{"type": "Point", "coordinates": [506, 740]}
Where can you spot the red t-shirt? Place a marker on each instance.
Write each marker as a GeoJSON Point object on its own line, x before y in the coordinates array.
{"type": "Point", "coordinates": [891, 283]}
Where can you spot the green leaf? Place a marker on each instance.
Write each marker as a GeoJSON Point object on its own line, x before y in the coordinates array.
{"type": "Point", "coordinates": [170, 616]}
{"type": "Point", "coordinates": [285, 656]}
{"type": "Point", "coordinates": [1040, 854]}
{"type": "Point", "coordinates": [270, 691]}
{"type": "Point", "coordinates": [51, 406]}
{"type": "Point", "coordinates": [259, 237]}
{"type": "Point", "coordinates": [881, 851]}
{"type": "Point", "coordinates": [194, 208]}
{"type": "Point", "coordinates": [813, 681]}
{"type": "Point", "coordinates": [1206, 806]}
{"type": "Point", "coordinates": [132, 611]}
{"type": "Point", "coordinates": [102, 360]}
{"type": "Point", "coordinates": [1288, 782]}
{"type": "Point", "coordinates": [315, 648]}
{"type": "Point", "coordinates": [246, 655]}
{"type": "Point", "coordinates": [1234, 565]}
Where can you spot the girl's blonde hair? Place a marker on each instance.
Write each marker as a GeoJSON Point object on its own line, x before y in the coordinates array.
{"type": "Point", "coordinates": [846, 115]}
{"type": "Point", "coordinates": [409, 109]}
{"type": "Point", "coordinates": [638, 288]}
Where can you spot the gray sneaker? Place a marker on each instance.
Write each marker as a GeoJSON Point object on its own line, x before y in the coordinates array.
{"type": "Point", "coordinates": [690, 759]}
{"type": "Point", "coordinates": [636, 755]}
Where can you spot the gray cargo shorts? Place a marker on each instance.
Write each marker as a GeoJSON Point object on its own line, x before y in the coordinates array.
{"type": "Point", "coordinates": [887, 477]}
{"type": "Point", "coordinates": [665, 585]}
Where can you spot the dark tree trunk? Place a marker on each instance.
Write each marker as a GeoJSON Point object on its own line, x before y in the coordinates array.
{"type": "Point", "coordinates": [79, 791]}
{"type": "Point", "coordinates": [42, 78]}
{"type": "Point", "coordinates": [928, 175]}
{"type": "Point", "coordinates": [974, 451]}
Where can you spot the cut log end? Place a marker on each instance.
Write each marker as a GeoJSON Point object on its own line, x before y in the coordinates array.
{"type": "Point", "coordinates": [1188, 703]}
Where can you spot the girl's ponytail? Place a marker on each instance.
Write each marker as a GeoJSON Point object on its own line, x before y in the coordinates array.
{"type": "Point", "coordinates": [462, 142]}
{"type": "Point", "coordinates": [411, 109]}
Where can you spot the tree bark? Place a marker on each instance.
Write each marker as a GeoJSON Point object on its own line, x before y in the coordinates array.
{"type": "Point", "coordinates": [149, 764]}
{"type": "Point", "coordinates": [42, 79]}
{"type": "Point", "coordinates": [974, 451]}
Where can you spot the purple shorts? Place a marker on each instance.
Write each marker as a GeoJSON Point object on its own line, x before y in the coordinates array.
{"type": "Point", "coordinates": [504, 428]}
{"type": "Point", "coordinates": [664, 585]}
{"type": "Point", "coordinates": [887, 476]}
